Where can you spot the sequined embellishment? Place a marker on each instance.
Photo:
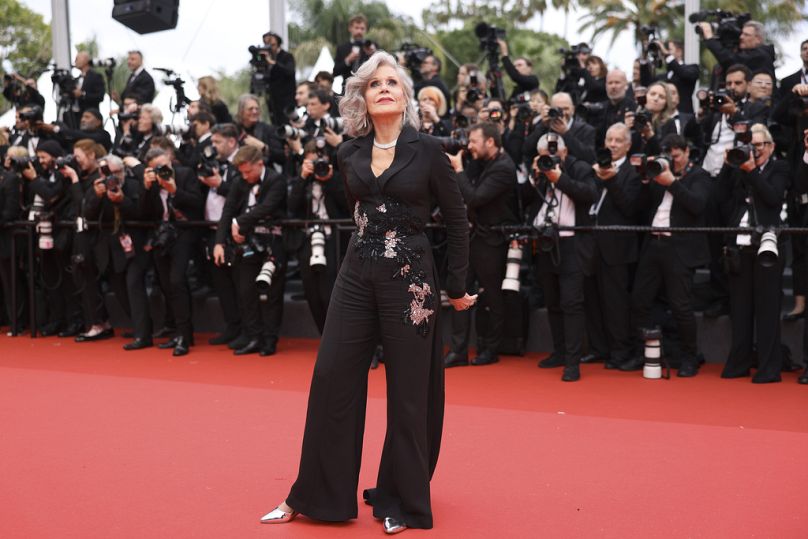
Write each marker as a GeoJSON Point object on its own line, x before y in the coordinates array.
{"type": "Point", "coordinates": [381, 232]}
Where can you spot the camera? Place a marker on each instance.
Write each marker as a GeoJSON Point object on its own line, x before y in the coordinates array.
{"type": "Point", "coordinates": [414, 55]}
{"type": "Point", "coordinates": [178, 130]}
{"type": "Point", "coordinates": [208, 165]}
{"type": "Point", "coordinates": [287, 131]}
{"type": "Point", "coordinates": [653, 353]}
{"type": "Point", "coordinates": [264, 278]}
{"type": "Point", "coordinates": [163, 238]}
{"type": "Point", "coordinates": [555, 113]}
{"type": "Point", "coordinates": [473, 95]}
{"type": "Point", "coordinates": [767, 250]}
{"type": "Point", "coordinates": [657, 166]}
{"type": "Point", "coordinates": [33, 115]}
{"type": "Point", "coordinates": [125, 116]}
{"type": "Point", "coordinates": [44, 227]}
{"type": "Point", "coordinates": [66, 161]}
{"type": "Point", "coordinates": [547, 239]}
{"type": "Point", "coordinates": [457, 141]}
{"type": "Point", "coordinates": [603, 157]}
{"type": "Point", "coordinates": [495, 115]}
{"type": "Point", "coordinates": [112, 183]}
{"type": "Point", "coordinates": [726, 25]}
{"type": "Point", "coordinates": [523, 110]}
{"type": "Point", "coordinates": [19, 164]}
{"type": "Point", "coordinates": [335, 124]}
{"type": "Point", "coordinates": [571, 63]}
{"type": "Point", "coordinates": [317, 238]}
{"type": "Point", "coordinates": [322, 164]}
{"type": "Point", "coordinates": [547, 163]}
{"type": "Point", "coordinates": [108, 63]}
{"type": "Point", "coordinates": [513, 263]}
{"type": "Point", "coordinates": [488, 36]}
{"type": "Point", "coordinates": [742, 150]}
{"type": "Point", "coordinates": [258, 59]}
{"type": "Point", "coordinates": [164, 172]}
{"type": "Point", "coordinates": [62, 79]}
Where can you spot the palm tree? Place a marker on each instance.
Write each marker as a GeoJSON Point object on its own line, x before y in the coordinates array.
{"type": "Point", "coordinates": [618, 16]}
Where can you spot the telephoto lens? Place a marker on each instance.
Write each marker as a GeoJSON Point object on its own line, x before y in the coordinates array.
{"type": "Point", "coordinates": [656, 167]}
{"type": "Point", "coordinates": [767, 252]}
{"type": "Point", "coordinates": [653, 353]}
{"type": "Point", "coordinates": [264, 279]}
{"type": "Point", "coordinates": [317, 260]}
{"type": "Point", "coordinates": [739, 155]}
{"type": "Point", "coordinates": [512, 266]}
{"type": "Point", "coordinates": [45, 230]}
{"type": "Point", "coordinates": [548, 162]}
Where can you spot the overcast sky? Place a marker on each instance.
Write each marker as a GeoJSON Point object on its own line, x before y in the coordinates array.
{"type": "Point", "coordinates": [213, 35]}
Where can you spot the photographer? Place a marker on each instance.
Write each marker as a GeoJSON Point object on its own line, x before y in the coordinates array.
{"type": "Point", "coordinates": [616, 107]}
{"type": "Point", "coordinates": [21, 92]}
{"type": "Point", "coordinates": [573, 68]}
{"type": "Point", "coordinates": [196, 141]}
{"type": "Point", "coordinates": [254, 132]}
{"type": "Point", "coordinates": [280, 77]}
{"type": "Point", "coordinates": [145, 129]}
{"type": "Point", "coordinates": [489, 189]}
{"type": "Point", "coordinates": [752, 187]}
{"type": "Point", "coordinates": [349, 56]}
{"type": "Point", "coordinates": [26, 133]}
{"type": "Point", "coordinates": [256, 249]}
{"type": "Point", "coordinates": [90, 127]}
{"type": "Point", "coordinates": [209, 95]}
{"type": "Point", "coordinates": [684, 76]}
{"type": "Point", "coordinates": [140, 84]}
{"type": "Point", "coordinates": [520, 71]}
{"type": "Point", "coordinates": [430, 76]}
{"type": "Point", "coordinates": [801, 180]}
{"type": "Point", "coordinates": [124, 143]}
{"type": "Point", "coordinates": [90, 87]}
{"type": "Point", "coordinates": [559, 117]}
{"type": "Point", "coordinates": [654, 113]}
{"type": "Point", "coordinates": [55, 200]}
{"type": "Point", "coordinates": [10, 211]}
{"type": "Point", "coordinates": [431, 109]}
{"type": "Point", "coordinates": [607, 292]}
{"type": "Point", "coordinates": [318, 193]}
{"type": "Point", "coordinates": [677, 197]}
{"type": "Point", "coordinates": [217, 181]}
{"type": "Point", "coordinates": [563, 189]}
{"type": "Point", "coordinates": [751, 50]}
{"type": "Point", "coordinates": [172, 194]}
{"type": "Point", "coordinates": [325, 82]}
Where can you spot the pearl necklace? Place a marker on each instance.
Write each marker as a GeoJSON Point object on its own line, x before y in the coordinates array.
{"type": "Point", "coordinates": [384, 146]}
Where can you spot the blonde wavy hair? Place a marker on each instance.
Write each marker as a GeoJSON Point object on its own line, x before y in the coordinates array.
{"type": "Point", "coordinates": [353, 108]}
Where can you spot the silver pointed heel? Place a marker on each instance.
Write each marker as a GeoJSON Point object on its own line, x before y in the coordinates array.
{"type": "Point", "coordinates": [278, 516]}
{"type": "Point", "coordinates": [393, 525]}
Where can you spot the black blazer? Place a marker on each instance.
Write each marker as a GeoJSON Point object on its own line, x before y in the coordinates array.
{"type": "Point", "coordinates": [688, 128]}
{"type": "Point", "coordinates": [490, 197]}
{"type": "Point", "coordinates": [758, 59]}
{"type": "Point", "coordinates": [521, 83]}
{"type": "Point", "coordinates": [333, 197]}
{"type": "Point", "coordinates": [140, 87]}
{"type": "Point", "coordinates": [788, 83]}
{"type": "Point", "coordinates": [614, 112]}
{"type": "Point", "coordinates": [92, 91]}
{"type": "Point", "coordinates": [282, 85]}
{"type": "Point", "coordinates": [340, 68]}
{"type": "Point", "coordinates": [619, 207]}
{"type": "Point", "coordinates": [10, 209]}
{"type": "Point", "coordinates": [187, 201]}
{"type": "Point", "coordinates": [580, 141]}
{"type": "Point", "coordinates": [415, 182]}
{"type": "Point", "coordinates": [767, 190]}
{"type": "Point", "coordinates": [270, 204]}
{"type": "Point", "coordinates": [690, 194]}
{"type": "Point", "coordinates": [684, 77]}
{"type": "Point", "coordinates": [274, 152]}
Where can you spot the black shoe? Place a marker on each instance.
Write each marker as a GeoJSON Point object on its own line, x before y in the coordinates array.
{"type": "Point", "coordinates": [572, 373]}
{"type": "Point", "coordinates": [688, 369]}
{"type": "Point", "coordinates": [182, 347]}
{"type": "Point", "coordinates": [716, 309]}
{"type": "Point", "coordinates": [453, 359]}
{"type": "Point", "coordinates": [635, 364]}
{"type": "Point", "coordinates": [552, 361]}
{"type": "Point", "coordinates": [138, 344]}
{"type": "Point", "coordinates": [171, 343]}
{"type": "Point", "coordinates": [269, 348]}
{"type": "Point", "coordinates": [791, 317]}
{"type": "Point", "coordinates": [594, 358]}
{"type": "Point", "coordinates": [239, 342]}
{"type": "Point", "coordinates": [105, 334]}
{"type": "Point", "coordinates": [610, 364]}
{"type": "Point", "coordinates": [252, 347]}
{"type": "Point", "coordinates": [486, 357]}
{"type": "Point", "coordinates": [223, 338]}
{"type": "Point", "coordinates": [71, 331]}
{"type": "Point", "coordinates": [128, 334]}
{"type": "Point", "coordinates": [164, 332]}
{"type": "Point", "coordinates": [736, 373]}
{"type": "Point", "coordinates": [51, 329]}
{"type": "Point", "coordinates": [758, 378]}
{"type": "Point", "coordinates": [804, 378]}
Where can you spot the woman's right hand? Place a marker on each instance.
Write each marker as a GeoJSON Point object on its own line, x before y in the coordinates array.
{"type": "Point", "coordinates": [464, 303]}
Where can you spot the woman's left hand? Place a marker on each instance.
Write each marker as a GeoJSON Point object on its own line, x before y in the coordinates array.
{"type": "Point", "coordinates": [464, 303]}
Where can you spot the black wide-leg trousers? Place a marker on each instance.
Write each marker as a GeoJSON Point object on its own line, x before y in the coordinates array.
{"type": "Point", "coordinates": [367, 307]}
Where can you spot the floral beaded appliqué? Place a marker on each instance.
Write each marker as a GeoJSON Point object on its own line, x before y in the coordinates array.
{"type": "Point", "coordinates": [381, 232]}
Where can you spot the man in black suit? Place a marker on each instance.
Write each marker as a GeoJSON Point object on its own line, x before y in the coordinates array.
{"type": "Point", "coordinates": [254, 132]}
{"type": "Point", "coordinates": [519, 70]}
{"type": "Point", "coordinates": [429, 72]}
{"type": "Point", "coordinates": [579, 136]}
{"type": "Point", "coordinates": [675, 198]}
{"type": "Point", "coordinates": [489, 191]}
{"type": "Point", "coordinates": [259, 198]}
{"type": "Point", "coordinates": [281, 78]}
{"type": "Point", "coordinates": [140, 84]}
{"type": "Point", "coordinates": [349, 56]}
{"type": "Point", "coordinates": [618, 103]}
{"type": "Point", "coordinates": [172, 195]}
{"type": "Point", "coordinates": [682, 123]}
{"type": "Point", "coordinates": [91, 126]}
{"type": "Point", "coordinates": [90, 87]}
{"type": "Point", "coordinates": [798, 77]}
{"type": "Point", "coordinates": [607, 292]}
{"type": "Point", "coordinates": [684, 76]}
{"type": "Point", "coordinates": [564, 189]}
{"type": "Point", "coordinates": [752, 51]}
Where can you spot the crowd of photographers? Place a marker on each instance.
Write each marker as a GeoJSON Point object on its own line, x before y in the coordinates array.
{"type": "Point", "coordinates": [176, 210]}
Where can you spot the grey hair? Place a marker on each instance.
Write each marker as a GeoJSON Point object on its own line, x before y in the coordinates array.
{"type": "Point", "coordinates": [761, 128]}
{"type": "Point", "coordinates": [353, 107]}
{"type": "Point", "coordinates": [154, 112]}
{"type": "Point", "coordinates": [114, 160]}
{"type": "Point", "coordinates": [759, 29]}
{"type": "Point", "coordinates": [622, 127]}
{"type": "Point", "coordinates": [242, 103]}
{"type": "Point", "coordinates": [543, 143]}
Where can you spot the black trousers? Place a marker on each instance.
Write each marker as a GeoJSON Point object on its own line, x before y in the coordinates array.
{"type": "Point", "coordinates": [798, 217]}
{"type": "Point", "coordinates": [754, 308]}
{"type": "Point", "coordinates": [486, 268]}
{"type": "Point", "coordinates": [19, 291]}
{"type": "Point", "coordinates": [139, 310]}
{"type": "Point", "coordinates": [59, 286]}
{"type": "Point", "coordinates": [608, 312]}
{"type": "Point", "coordinates": [88, 282]}
{"type": "Point", "coordinates": [318, 283]}
{"type": "Point", "coordinates": [563, 286]}
{"type": "Point", "coordinates": [719, 280]}
{"type": "Point", "coordinates": [367, 307]}
{"type": "Point", "coordinates": [659, 266]}
{"type": "Point", "coordinates": [260, 319]}
{"type": "Point", "coordinates": [225, 284]}
{"type": "Point", "coordinates": [172, 271]}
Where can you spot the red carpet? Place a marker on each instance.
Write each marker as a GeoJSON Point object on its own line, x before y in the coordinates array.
{"type": "Point", "coordinates": [100, 443]}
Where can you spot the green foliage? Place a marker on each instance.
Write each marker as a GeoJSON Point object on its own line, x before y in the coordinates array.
{"type": "Point", "coordinates": [442, 13]}
{"type": "Point", "coordinates": [232, 86]}
{"type": "Point", "coordinates": [25, 41]}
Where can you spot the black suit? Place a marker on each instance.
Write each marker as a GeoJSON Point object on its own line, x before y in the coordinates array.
{"type": "Point", "coordinates": [261, 320]}
{"type": "Point", "coordinates": [580, 141]}
{"type": "Point", "coordinates": [381, 293]}
{"type": "Point", "coordinates": [684, 77]}
{"type": "Point", "coordinates": [281, 87]}
{"type": "Point", "coordinates": [757, 59]}
{"type": "Point", "coordinates": [341, 69]}
{"type": "Point", "coordinates": [671, 260]}
{"type": "Point", "coordinates": [140, 87]}
{"type": "Point", "coordinates": [490, 197]}
{"type": "Point", "coordinates": [92, 91]}
{"type": "Point", "coordinates": [788, 83]}
{"type": "Point", "coordinates": [10, 209]}
{"type": "Point", "coordinates": [562, 273]}
{"type": "Point", "coordinates": [172, 260]}
{"type": "Point", "coordinates": [522, 83]}
{"type": "Point", "coordinates": [755, 289]}
{"type": "Point", "coordinates": [614, 112]}
{"type": "Point", "coordinates": [608, 305]}
{"type": "Point", "coordinates": [684, 124]}
{"type": "Point", "coordinates": [274, 151]}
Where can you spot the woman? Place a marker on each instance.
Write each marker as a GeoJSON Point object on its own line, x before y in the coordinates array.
{"type": "Point", "coordinates": [390, 191]}
{"type": "Point", "coordinates": [594, 80]}
{"type": "Point", "coordinates": [431, 108]}
{"type": "Point", "coordinates": [658, 109]}
{"type": "Point", "coordinates": [209, 95]}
